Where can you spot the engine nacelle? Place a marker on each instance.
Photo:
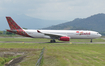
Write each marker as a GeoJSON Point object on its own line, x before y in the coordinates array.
{"type": "Point", "coordinates": [64, 38]}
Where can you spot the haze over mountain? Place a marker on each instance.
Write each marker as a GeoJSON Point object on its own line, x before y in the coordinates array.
{"type": "Point", "coordinates": [94, 22]}
{"type": "Point", "coordinates": [28, 22]}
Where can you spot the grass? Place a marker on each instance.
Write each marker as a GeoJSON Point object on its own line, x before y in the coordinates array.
{"type": "Point", "coordinates": [4, 60]}
{"type": "Point", "coordinates": [58, 54]}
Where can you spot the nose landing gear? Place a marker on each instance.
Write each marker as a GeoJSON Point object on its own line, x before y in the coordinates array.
{"type": "Point", "coordinates": [91, 41]}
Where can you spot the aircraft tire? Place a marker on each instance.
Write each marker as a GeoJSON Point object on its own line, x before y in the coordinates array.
{"type": "Point", "coordinates": [91, 41]}
{"type": "Point", "coordinates": [52, 41]}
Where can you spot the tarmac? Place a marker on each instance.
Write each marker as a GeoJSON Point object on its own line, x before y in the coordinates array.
{"type": "Point", "coordinates": [52, 43]}
{"type": "Point", "coordinates": [49, 41]}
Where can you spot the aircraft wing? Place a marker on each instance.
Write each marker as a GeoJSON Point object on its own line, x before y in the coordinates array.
{"type": "Point", "coordinates": [52, 35]}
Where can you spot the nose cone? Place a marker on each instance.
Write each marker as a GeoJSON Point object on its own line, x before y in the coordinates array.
{"type": "Point", "coordinates": [100, 35]}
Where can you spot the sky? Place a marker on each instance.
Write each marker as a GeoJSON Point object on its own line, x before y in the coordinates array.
{"type": "Point", "coordinates": [52, 9]}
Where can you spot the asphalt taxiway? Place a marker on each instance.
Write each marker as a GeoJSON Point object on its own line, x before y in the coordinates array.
{"type": "Point", "coordinates": [52, 43]}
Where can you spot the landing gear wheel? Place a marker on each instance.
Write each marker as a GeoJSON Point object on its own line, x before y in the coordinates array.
{"type": "Point", "coordinates": [52, 41]}
{"type": "Point", "coordinates": [91, 41]}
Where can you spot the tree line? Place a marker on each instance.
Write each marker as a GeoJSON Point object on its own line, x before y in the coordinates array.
{"type": "Point", "coordinates": [6, 33]}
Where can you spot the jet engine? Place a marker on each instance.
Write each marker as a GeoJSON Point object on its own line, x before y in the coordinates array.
{"type": "Point", "coordinates": [64, 38]}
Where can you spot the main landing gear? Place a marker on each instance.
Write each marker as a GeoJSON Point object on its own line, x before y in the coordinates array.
{"type": "Point", "coordinates": [52, 41]}
{"type": "Point", "coordinates": [91, 41]}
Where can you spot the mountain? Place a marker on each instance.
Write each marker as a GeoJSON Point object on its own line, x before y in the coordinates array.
{"type": "Point", "coordinates": [94, 22]}
{"type": "Point", "coordinates": [28, 22]}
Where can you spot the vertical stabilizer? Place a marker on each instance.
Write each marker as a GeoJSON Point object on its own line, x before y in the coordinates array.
{"type": "Point", "coordinates": [12, 24]}
{"type": "Point", "coordinates": [14, 28]}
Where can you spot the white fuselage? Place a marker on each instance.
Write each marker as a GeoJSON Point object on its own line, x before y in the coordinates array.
{"type": "Point", "coordinates": [73, 34]}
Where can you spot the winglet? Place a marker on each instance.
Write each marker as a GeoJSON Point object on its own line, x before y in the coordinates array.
{"type": "Point", "coordinates": [38, 31]}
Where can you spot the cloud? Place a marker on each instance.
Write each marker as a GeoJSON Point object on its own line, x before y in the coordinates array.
{"type": "Point", "coordinates": [67, 10]}
{"type": "Point", "coordinates": [52, 9]}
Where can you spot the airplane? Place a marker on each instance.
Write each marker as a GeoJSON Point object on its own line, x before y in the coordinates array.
{"type": "Point", "coordinates": [62, 35]}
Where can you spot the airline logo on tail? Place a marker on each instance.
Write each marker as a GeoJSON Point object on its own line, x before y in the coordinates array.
{"type": "Point", "coordinates": [12, 24]}
{"type": "Point", "coordinates": [15, 28]}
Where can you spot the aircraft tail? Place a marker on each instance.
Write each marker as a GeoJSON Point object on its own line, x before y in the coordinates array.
{"type": "Point", "coordinates": [12, 24]}
{"type": "Point", "coordinates": [14, 28]}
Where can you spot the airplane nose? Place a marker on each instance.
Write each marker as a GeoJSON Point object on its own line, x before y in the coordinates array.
{"type": "Point", "coordinates": [100, 35]}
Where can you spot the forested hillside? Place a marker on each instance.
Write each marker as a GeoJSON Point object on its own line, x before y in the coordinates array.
{"type": "Point", "coordinates": [94, 22]}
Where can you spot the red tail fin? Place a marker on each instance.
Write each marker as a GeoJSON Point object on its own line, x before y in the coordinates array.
{"type": "Point", "coordinates": [12, 24]}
